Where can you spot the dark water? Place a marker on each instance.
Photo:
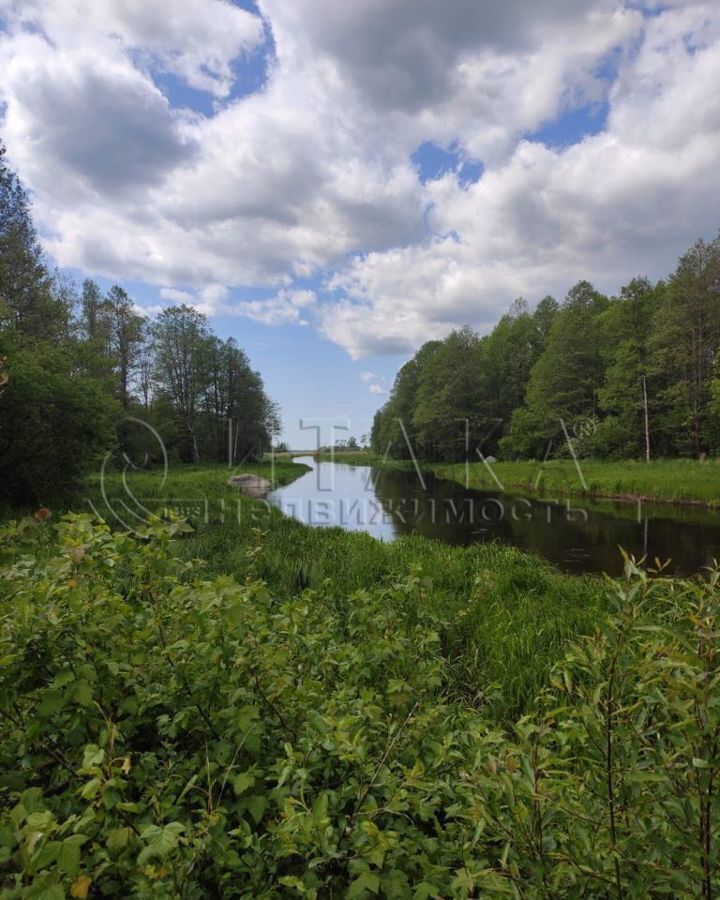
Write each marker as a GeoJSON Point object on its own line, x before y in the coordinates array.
{"type": "Point", "coordinates": [576, 535]}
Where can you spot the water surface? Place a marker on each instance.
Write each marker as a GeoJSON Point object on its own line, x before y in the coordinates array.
{"type": "Point", "coordinates": [576, 535]}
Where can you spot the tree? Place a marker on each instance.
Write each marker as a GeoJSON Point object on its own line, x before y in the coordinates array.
{"type": "Point", "coordinates": [180, 336]}
{"type": "Point", "coordinates": [28, 308]}
{"type": "Point", "coordinates": [67, 356]}
{"type": "Point", "coordinates": [626, 327]}
{"type": "Point", "coordinates": [93, 318]}
{"type": "Point", "coordinates": [55, 418]}
{"type": "Point", "coordinates": [144, 364]}
{"type": "Point", "coordinates": [53, 427]}
{"type": "Point", "coordinates": [507, 357]}
{"type": "Point", "coordinates": [564, 382]}
{"type": "Point", "coordinates": [125, 330]}
{"type": "Point", "coordinates": [714, 408]}
{"type": "Point", "coordinates": [684, 345]}
{"type": "Point", "coordinates": [239, 418]}
{"type": "Point", "coordinates": [448, 401]}
{"type": "Point", "coordinates": [393, 427]}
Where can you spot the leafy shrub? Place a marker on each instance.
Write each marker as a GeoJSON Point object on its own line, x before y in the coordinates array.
{"type": "Point", "coordinates": [54, 426]}
{"type": "Point", "coordinates": [167, 736]}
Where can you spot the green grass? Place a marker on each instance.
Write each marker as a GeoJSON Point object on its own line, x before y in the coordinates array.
{"type": "Point", "coordinates": [507, 615]}
{"type": "Point", "coordinates": [674, 481]}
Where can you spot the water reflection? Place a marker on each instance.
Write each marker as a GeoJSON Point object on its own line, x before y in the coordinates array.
{"type": "Point", "coordinates": [576, 535]}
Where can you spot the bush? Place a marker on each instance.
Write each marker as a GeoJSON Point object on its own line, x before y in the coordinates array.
{"type": "Point", "coordinates": [53, 428]}
{"type": "Point", "coordinates": [167, 736]}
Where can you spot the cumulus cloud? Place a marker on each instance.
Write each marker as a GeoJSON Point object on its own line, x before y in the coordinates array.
{"type": "Point", "coordinates": [377, 389]}
{"type": "Point", "coordinates": [177, 296]}
{"type": "Point", "coordinates": [617, 204]}
{"type": "Point", "coordinates": [286, 307]}
{"type": "Point", "coordinates": [311, 177]}
{"type": "Point", "coordinates": [87, 124]}
{"type": "Point", "coordinates": [194, 39]}
{"type": "Point", "coordinates": [480, 72]}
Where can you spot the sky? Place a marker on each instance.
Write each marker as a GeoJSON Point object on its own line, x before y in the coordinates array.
{"type": "Point", "coordinates": [335, 183]}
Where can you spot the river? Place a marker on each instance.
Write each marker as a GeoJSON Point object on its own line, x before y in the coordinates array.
{"type": "Point", "coordinates": [576, 535]}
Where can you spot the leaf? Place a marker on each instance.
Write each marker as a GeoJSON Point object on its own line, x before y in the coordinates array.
{"type": "Point", "coordinates": [292, 881]}
{"type": "Point", "coordinates": [90, 790]}
{"type": "Point", "coordinates": [235, 614]}
{"type": "Point", "coordinates": [45, 856]}
{"type": "Point", "coordinates": [161, 840]}
{"type": "Point", "coordinates": [82, 693]}
{"type": "Point", "coordinates": [425, 890]}
{"type": "Point", "coordinates": [52, 702]}
{"type": "Point", "coordinates": [118, 839]}
{"type": "Point", "coordinates": [242, 782]}
{"type": "Point", "coordinates": [257, 805]}
{"type": "Point", "coordinates": [367, 882]}
{"type": "Point", "coordinates": [80, 887]}
{"type": "Point", "coordinates": [68, 858]}
{"type": "Point", "coordinates": [51, 892]}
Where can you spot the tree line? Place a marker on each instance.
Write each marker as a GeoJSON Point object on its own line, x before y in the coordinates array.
{"type": "Point", "coordinates": [80, 367]}
{"type": "Point", "coordinates": [631, 376]}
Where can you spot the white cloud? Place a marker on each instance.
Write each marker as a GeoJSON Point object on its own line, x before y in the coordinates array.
{"type": "Point", "coordinates": [176, 296]}
{"type": "Point", "coordinates": [619, 204]}
{"type": "Point", "coordinates": [194, 39]}
{"type": "Point", "coordinates": [311, 176]}
{"type": "Point", "coordinates": [367, 376]}
{"type": "Point", "coordinates": [82, 125]}
{"type": "Point", "coordinates": [480, 72]}
{"type": "Point", "coordinates": [377, 389]}
{"type": "Point", "coordinates": [286, 307]}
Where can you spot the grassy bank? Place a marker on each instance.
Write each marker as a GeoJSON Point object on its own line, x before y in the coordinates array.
{"type": "Point", "coordinates": [676, 481]}
{"type": "Point", "coordinates": [673, 481]}
{"type": "Point", "coordinates": [506, 615]}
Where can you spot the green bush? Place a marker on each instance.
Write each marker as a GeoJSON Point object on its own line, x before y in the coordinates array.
{"type": "Point", "coordinates": [166, 736]}
{"type": "Point", "coordinates": [54, 426]}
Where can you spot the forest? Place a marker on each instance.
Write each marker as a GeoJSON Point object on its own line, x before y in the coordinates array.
{"type": "Point", "coordinates": [593, 369]}
{"type": "Point", "coordinates": [80, 366]}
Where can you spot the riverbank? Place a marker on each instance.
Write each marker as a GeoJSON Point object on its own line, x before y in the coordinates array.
{"type": "Point", "coordinates": [506, 615]}
{"type": "Point", "coordinates": [680, 481]}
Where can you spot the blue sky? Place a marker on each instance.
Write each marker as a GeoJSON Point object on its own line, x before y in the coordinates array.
{"type": "Point", "coordinates": [312, 378]}
{"type": "Point", "coordinates": [334, 184]}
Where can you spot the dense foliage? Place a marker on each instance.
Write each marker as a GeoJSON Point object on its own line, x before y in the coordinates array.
{"type": "Point", "coordinates": [167, 736]}
{"type": "Point", "coordinates": [79, 365]}
{"type": "Point", "coordinates": [586, 371]}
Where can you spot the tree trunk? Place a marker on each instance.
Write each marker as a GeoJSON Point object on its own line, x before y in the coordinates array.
{"type": "Point", "coordinates": [195, 448]}
{"type": "Point", "coordinates": [647, 421]}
